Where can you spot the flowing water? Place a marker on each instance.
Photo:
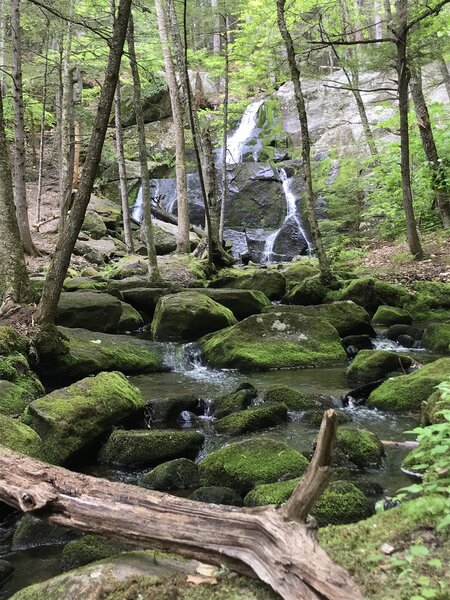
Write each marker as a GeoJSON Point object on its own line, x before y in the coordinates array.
{"type": "Point", "coordinates": [238, 141]}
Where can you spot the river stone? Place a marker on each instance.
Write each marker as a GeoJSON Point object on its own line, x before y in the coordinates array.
{"type": "Point", "coordinates": [371, 293]}
{"type": "Point", "coordinates": [94, 225]}
{"type": "Point", "coordinates": [253, 419]}
{"type": "Point", "coordinates": [32, 532]}
{"type": "Point", "coordinates": [271, 283]}
{"type": "Point", "coordinates": [187, 316]}
{"type": "Point", "coordinates": [371, 365]}
{"type": "Point", "coordinates": [140, 448]}
{"type": "Point", "coordinates": [274, 340]}
{"type": "Point", "coordinates": [437, 338]}
{"type": "Point", "coordinates": [90, 310]}
{"type": "Point", "coordinates": [408, 392]}
{"type": "Point", "coordinates": [301, 269]}
{"type": "Point", "coordinates": [87, 549]}
{"type": "Point", "coordinates": [85, 353]}
{"type": "Point", "coordinates": [234, 402]}
{"type": "Point", "coordinates": [214, 494]}
{"type": "Point", "coordinates": [177, 474]}
{"type": "Point", "coordinates": [395, 332]}
{"type": "Point", "coordinates": [309, 291]}
{"type": "Point", "coordinates": [292, 398]}
{"type": "Point", "coordinates": [346, 317]}
{"type": "Point", "coordinates": [391, 315]}
{"type": "Point", "coordinates": [19, 437]}
{"type": "Point", "coordinates": [361, 447]}
{"type": "Point", "coordinates": [242, 303]}
{"type": "Point", "coordinates": [130, 319]}
{"type": "Point", "coordinates": [243, 465]}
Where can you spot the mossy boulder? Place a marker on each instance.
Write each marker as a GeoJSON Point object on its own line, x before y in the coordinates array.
{"type": "Point", "coordinates": [87, 549]}
{"type": "Point", "coordinates": [253, 419]}
{"type": "Point", "coordinates": [82, 352]}
{"type": "Point", "coordinates": [341, 503]}
{"type": "Point", "coordinates": [430, 301]}
{"type": "Point", "coordinates": [437, 338]}
{"type": "Point", "coordinates": [15, 369]}
{"type": "Point", "coordinates": [32, 532]}
{"type": "Point", "coordinates": [370, 365]}
{"type": "Point", "coordinates": [243, 465]}
{"type": "Point", "coordinates": [391, 315]}
{"type": "Point", "coordinates": [11, 341]}
{"type": "Point", "coordinates": [216, 495]}
{"type": "Point", "coordinates": [371, 293]}
{"type": "Point", "coordinates": [300, 270]}
{"type": "Point", "coordinates": [407, 392]}
{"type": "Point", "coordinates": [140, 448]}
{"type": "Point", "coordinates": [361, 447]}
{"type": "Point", "coordinates": [68, 418]}
{"type": "Point", "coordinates": [309, 291]}
{"type": "Point", "coordinates": [234, 402]}
{"type": "Point", "coordinates": [187, 316]}
{"type": "Point", "coordinates": [130, 319]}
{"type": "Point", "coordinates": [177, 474]}
{"type": "Point", "coordinates": [19, 437]}
{"type": "Point", "coordinates": [274, 340]}
{"type": "Point", "coordinates": [128, 266]}
{"type": "Point", "coordinates": [272, 283]}
{"type": "Point", "coordinates": [271, 493]}
{"type": "Point", "coordinates": [315, 417]}
{"type": "Point", "coordinates": [13, 399]}
{"type": "Point", "coordinates": [83, 284]}
{"type": "Point", "coordinates": [346, 317]}
{"type": "Point", "coordinates": [242, 303]}
{"type": "Point", "coordinates": [94, 225]}
{"type": "Point", "coordinates": [143, 298]}
{"type": "Point", "coordinates": [433, 407]}
{"type": "Point", "coordinates": [292, 398]}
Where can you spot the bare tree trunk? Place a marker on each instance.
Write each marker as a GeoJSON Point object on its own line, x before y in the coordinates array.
{"type": "Point", "coordinates": [271, 542]}
{"type": "Point", "coordinates": [2, 46]}
{"type": "Point", "coordinates": [306, 144]}
{"type": "Point", "coordinates": [57, 137]}
{"type": "Point", "coordinates": [401, 40]}
{"type": "Point", "coordinates": [42, 132]}
{"type": "Point", "coordinates": [153, 271]}
{"type": "Point", "coordinates": [224, 186]}
{"type": "Point", "coordinates": [66, 241]}
{"type": "Point", "coordinates": [178, 52]}
{"type": "Point", "coordinates": [77, 98]}
{"type": "Point", "coordinates": [445, 74]}
{"type": "Point", "coordinates": [438, 176]}
{"type": "Point", "coordinates": [14, 282]}
{"type": "Point", "coordinates": [183, 244]}
{"type": "Point", "coordinates": [20, 189]}
{"type": "Point", "coordinates": [211, 189]}
{"type": "Point", "coordinates": [217, 41]}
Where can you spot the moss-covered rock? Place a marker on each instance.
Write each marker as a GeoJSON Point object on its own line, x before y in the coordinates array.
{"type": "Point", "coordinates": [130, 319]}
{"type": "Point", "coordinates": [361, 447]}
{"type": "Point", "coordinates": [82, 352]}
{"type": "Point", "coordinates": [15, 368]}
{"type": "Point", "coordinates": [68, 418]}
{"type": "Point", "coordinates": [437, 338]}
{"type": "Point", "coordinates": [370, 365]}
{"type": "Point", "coordinates": [342, 502]}
{"type": "Point", "coordinates": [238, 400]}
{"type": "Point", "coordinates": [32, 532]}
{"type": "Point", "coordinates": [372, 293]}
{"type": "Point", "coordinates": [12, 341]}
{"type": "Point", "coordinates": [141, 297]}
{"type": "Point", "coordinates": [87, 549]}
{"type": "Point", "coordinates": [242, 303]}
{"type": "Point", "coordinates": [300, 270]}
{"type": "Point", "coordinates": [430, 301]}
{"type": "Point", "coordinates": [407, 392]}
{"type": "Point", "coordinates": [310, 291]}
{"type": "Point", "coordinates": [272, 283]}
{"type": "Point", "coordinates": [433, 407]}
{"type": "Point", "coordinates": [177, 474]}
{"type": "Point", "coordinates": [291, 397]}
{"type": "Point", "coordinates": [86, 284]}
{"type": "Point", "coordinates": [243, 465]}
{"type": "Point", "coordinates": [216, 495]}
{"type": "Point", "coordinates": [271, 493]}
{"type": "Point", "coordinates": [146, 448]}
{"type": "Point", "coordinates": [253, 419]}
{"type": "Point", "coordinates": [13, 399]}
{"type": "Point", "coordinates": [94, 225]}
{"type": "Point", "coordinates": [19, 437]}
{"type": "Point", "coordinates": [274, 340]}
{"type": "Point", "coordinates": [346, 317]}
{"type": "Point", "coordinates": [128, 266]}
{"type": "Point", "coordinates": [187, 316]}
{"type": "Point", "coordinates": [391, 315]}
{"type": "Point", "coordinates": [315, 417]}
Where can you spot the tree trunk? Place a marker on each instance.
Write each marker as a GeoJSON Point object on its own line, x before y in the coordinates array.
{"type": "Point", "coordinates": [403, 74]}
{"type": "Point", "coordinates": [183, 244]}
{"type": "Point", "coordinates": [445, 74]}
{"type": "Point", "coordinates": [20, 190]}
{"type": "Point", "coordinates": [66, 241]}
{"type": "Point", "coordinates": [153, 271]}
{"type": "Point", "coordinates": [77, 99]}
{"type": "Point", "coordinates": [273, 542]}
{"type": "Point", "coordinates": [14, 282]}
{"type": "Point", "coordinates": [306, 144]}
{"type": "Point", "coordinates": [42, 133]}
{"type": "Point", "coordinates": [223, 165]}
{"type": "Point", "coordinates": [178, 53]}
{"type": "Point", "coordinates": [438, 176]}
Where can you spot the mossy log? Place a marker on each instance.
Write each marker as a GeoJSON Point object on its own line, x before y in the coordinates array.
{"type": "Point", "coordinates": [274, 544]}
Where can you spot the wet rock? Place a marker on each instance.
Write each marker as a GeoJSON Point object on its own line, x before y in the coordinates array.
{"type": "Point", "coordinates": [395, 331]}
{"type": "Point", "coordinates": [234, 402]}
{"type": "Point", "coordinates": [371, 365]}
{"type": "Point", "coordinates": [291, 397]}
{"type": "Point", "coordinates": [360, 342]}
{"type": "Point", "coordinates": [361, 447]}
{"type": "Point", "coordinates": [272, 283]}
{"type": "Point", "coordinates": [177, 474]}
{"type": "Point", "coordinates": [214, 494]}
{"type": "Point", "coordinates": [253, 419]}
{"type": "Point", "coordinates": [242, 303]}
{"type": "Point", "coordinates": [391, 315]}
{"type": "Point", "coordinates": [32, 532]}
{"type": "Point", "coordinates": [289, 242]}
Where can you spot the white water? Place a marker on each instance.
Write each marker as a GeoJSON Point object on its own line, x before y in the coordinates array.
{"type": "Point", "coordinates": [385, 344]}
{"type": "Point", "coordinates": [237, 140]}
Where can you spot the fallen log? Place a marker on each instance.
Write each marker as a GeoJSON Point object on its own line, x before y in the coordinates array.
{"type": "Point", "coordinates": [275, 544]}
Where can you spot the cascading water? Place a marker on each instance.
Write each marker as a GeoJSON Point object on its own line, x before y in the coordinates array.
{"type": "Point", "coordinates": [246, 130]}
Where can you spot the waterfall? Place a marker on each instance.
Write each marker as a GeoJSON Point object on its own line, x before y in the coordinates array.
{"type": "Point", "coordinates": [244, 132]}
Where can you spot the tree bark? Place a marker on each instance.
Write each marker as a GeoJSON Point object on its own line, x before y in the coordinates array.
{"type": "Point", "coordinates": [77, 99]}
{"type": "Point", "coordinates": [14, 282]}
{"type": "Point", "coordinates": [278, 548]}
{"type": "Point", "coordinates": [445, 74]}
{"type": "Point", "coordinates": [438, 176]}
{"type": "Point", "coordinates": [153, 271]}
{"type": "Point", "coordinates": [20, 190]}
{"type": "Point", "coordinates": [183, 245]}
{"type": "Point", "coordinates": [306, 144]}
{"type": "Point", "coordinates": [66, 241]}
{"type": "Point", "coordinates": [42, 132]}
{"type": "Point", "coordinates": [223, 166]}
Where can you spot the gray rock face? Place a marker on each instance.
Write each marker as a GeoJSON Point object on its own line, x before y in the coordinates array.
{"type": "Point", "coordinates": [289, 242]}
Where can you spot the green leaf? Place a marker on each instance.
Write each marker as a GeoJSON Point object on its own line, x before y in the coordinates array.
{"type": "Point", "coordinates": [435, 562]}
{"type": "Point", "coordinates": [419, 551]}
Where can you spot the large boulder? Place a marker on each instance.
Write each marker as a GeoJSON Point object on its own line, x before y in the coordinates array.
{"type": "Point", "coordinates": [144, 299]}
{"type": "Point", "coordinates": [437, 338]}
{"type": "Point", "coordinates": [300, 270]}
{"type": "Point", "coordinates": [177, 474]}
{"type": "Point", "coordinates": [361, 447]}
{"type": "Point", "coordinates": [187, 316]}
{"type": "Point", "coordinates": [235, 401]}
{"type": "Point", "coordinates": [292, 398]}
{"type": "Point", "coordinates": [83, 353]}
{"type": "Point", "coordinates": [243, 465]}
{"type": "Point", "coordinates": [15, 369]}
{"type": "Point", "coordinates": [346, 317]}
{"type": "Point", "coordinates": [272, 283]}
{"type": "Point", "coordinates": [13, 399]}
{"type": "Point", "coordinates": [253, 419]}
{"type": "Point", "coordinates": [68, 418]}
{"type": "Point", "coordinates": [12, 341]}
{"type": "Point", "coordinates": [370, 365]}
{"type": "Point", "coordinates": [310, 290]}
{"type": "Point", "coordinates": [140, 448]}
{"type": "Point", "coordinates": [407, 392]}
{"type": "Point", "coordinates": [94, 225]}
{"type": "Point", "coordinates": [19, 437]}
{"type": "Point", "coordinates": [274, 340]}
{"type": "Point", "coordinates": [391, 315]}
{"type": "Point", "coordinates": [242, 303]}
{"type": "Point", "coordinates": [372, 293]}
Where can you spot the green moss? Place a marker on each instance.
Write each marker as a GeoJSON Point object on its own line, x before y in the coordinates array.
{"type": "Point", "coordinates": [19, 437]}
{"type": "Point", "coordinates": [243, 465]}
{"type": "Point", "coordinates": [13, 399]}
{"type": "Point", "coordinates": [291, 397]}
{"type": "Point", "coordinates": [432, 408]}
{"type": "Point", "coordinates": [437, 338]}
{"type": "Point", "coordinates": [272, 283]}
{"type": "Point", "coordinates": [177, 474]}
{"type": "Point", "coordinates": [309, 291]}
{"type": "Point", "coordinates": [72, 284]}
{"type": "Point", "coordinates": [299, 270]}
{"type": "Point", "coordinates": [253, 419]}
{"type": "Point", "coordinates": [391, 315]}
{"type": "Point", "coordinates": [407, 392]}
{"type": "Point", "coordinates": [130, 319]}
{"type": "Point", "coordinates": [141, 448]}
{"type": "Point", "coordinates": [274, 340]}
{"type": "Point", "coordinates": [271, 493]}
{"type": "Point", "coordinates": [70, 417]}
{"type": "Point", "coordinates": [234, 402]}
{"type": "Point", "coordinates": [242, 303]}
{"type": "Point", "coordinates": [341, 503]}
{"type": "Point", "coordinates": [87, 549]}
{"type": "Point", "coordinates": [12, 341]}
{"type": "Point", "coordinates": [371, 293]}
{"type": "Point", "coordinates": [360, 446]}
{"type": "Point", "coordinates": [216, 495]}
{"type": "Point", "coordinates": [15, 368]}
{"type": "Point", "coordinates": [429, 295]}
{"type": "Point", "coordinates": [315, 417]}
{"type": "Point", "coordinates": [370, 365]}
